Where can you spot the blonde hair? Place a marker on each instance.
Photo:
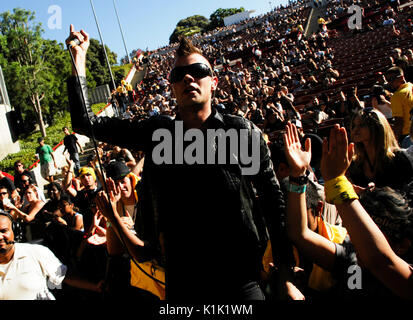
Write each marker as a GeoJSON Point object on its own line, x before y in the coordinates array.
{"type": "Point", "coordinates": [382, 138]}
{"type": "Point", "coordinates": [33, 188]}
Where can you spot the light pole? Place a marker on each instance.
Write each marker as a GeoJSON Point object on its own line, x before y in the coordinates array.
{"type": "Point", "coordinates": [103, 45]}
{"type": "Point", "coordinates": [121, 32]}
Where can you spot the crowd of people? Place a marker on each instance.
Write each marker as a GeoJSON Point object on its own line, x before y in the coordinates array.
{"type": "Point", "coordinates": [334, 191]}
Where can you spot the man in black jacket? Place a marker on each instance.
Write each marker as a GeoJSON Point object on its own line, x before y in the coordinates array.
{"type": "Point", "coordinates": [203, 217]}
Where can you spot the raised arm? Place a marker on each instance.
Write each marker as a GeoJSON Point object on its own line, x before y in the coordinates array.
{"type": "Point", "coordinates": [30, 215]}
{"type": "Point", "coordinates": [369, 241]}
{"type": "Point", "coordinates": [67, 181]}
{"type": "Point", "coordinates": [131, 135]}
{"type": "Point", "coordinates": [79, 51]}
{"type": "Point", "coordinates": [314, 246]}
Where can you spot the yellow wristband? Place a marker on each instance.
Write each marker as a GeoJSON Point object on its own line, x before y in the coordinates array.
{"type": "Point", "coordinates": [339, 190]}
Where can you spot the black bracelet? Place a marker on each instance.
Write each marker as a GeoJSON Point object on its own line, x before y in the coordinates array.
{"type": "Point", "coordinates": [301, 180]}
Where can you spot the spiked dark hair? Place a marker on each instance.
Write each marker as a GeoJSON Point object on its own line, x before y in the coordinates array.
{"type": "Point", "coordinates": [186, 47]}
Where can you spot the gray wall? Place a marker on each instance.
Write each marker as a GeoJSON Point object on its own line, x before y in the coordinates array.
{"type": "Point", "coordinates": [100, 94]}
{"type": "Point", "coordinates": [6, 142]}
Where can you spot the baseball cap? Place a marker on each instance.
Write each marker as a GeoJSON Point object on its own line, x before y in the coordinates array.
{"type": "Point", "coordinates": [117, 170]}
{"type": "Point", "coordinates": [87, 170]}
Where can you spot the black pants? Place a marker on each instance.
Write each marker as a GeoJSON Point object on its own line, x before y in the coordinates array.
{"type": "Point", "coordinates": [220, 292]}
{"type": "Point", "coordinates": [251, 291]}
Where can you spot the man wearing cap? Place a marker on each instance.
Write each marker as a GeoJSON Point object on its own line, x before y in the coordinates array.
{"type": "Point", "coordinates": [127, 182]}
{"type": "Point", "coordinates": [201, 214]}
{"type": "Point", "coordinates": [401, 102]}
{"type": "Point", "coordinates": [83, 199]}
{"type": "Point", "coordinates": [44, 153]}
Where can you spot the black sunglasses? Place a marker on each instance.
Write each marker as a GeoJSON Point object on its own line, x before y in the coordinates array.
{"type": "Point", "coordinates": [196, 70]}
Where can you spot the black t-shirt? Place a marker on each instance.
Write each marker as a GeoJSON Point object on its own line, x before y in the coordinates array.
{"type": "Point", "coordinates": [205, 221]}
{"type": "Point", "coordinates": [84, 201]}
{"type": "Point", "coordinates": [120, 97]}
{"type": "Point", "coordinates": [7, 183]}
{"type": "Point", "coordinates": [70, 143]}
{"type": "Point", "coordinates": [396, 173]}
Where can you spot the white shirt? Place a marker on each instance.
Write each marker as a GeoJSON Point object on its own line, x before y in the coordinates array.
{"type": "Point", "coordinates": [31, 272]}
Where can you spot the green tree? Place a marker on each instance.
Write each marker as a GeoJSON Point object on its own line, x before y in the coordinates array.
{"type": "Point", "coordinates": [59, 69]}
{"type": "Point", "coordinates": [28, 67]}
{"type": "Point", "coordinates": [217, 18]}
{"type": "Point", "coordinates": [189, 26]}
{"type": "Point", "coordinates": [97, 71]}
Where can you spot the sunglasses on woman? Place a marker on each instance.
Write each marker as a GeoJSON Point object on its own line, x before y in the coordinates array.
{"type": "Point", "coordinates": [368, 118]}
{"type": "Point", "coordinates": [196, 70]}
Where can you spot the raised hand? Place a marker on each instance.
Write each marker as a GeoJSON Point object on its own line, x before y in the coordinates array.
{"type": "Point", "coordinates": [106, 207]}
{"type": "Point", "coordinates": [298, 159]}
{"type": "Point", "coordinates": [337, 154]}
{"type": "Point", "coordinates": [114, 190]}
{"type": "Point", "coordinates": [79, 51]}
{"type": "Point", "coordinates": [8, 205]}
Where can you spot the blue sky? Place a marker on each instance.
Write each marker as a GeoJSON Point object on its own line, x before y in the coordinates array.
{"type": "Point", "coordinates": [145, 24]}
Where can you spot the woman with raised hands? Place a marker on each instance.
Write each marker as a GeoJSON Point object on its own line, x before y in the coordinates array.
{"type": "Point", "coordinates": [375, 254]}
{"type": "Point", "coordinates": [377, 156]}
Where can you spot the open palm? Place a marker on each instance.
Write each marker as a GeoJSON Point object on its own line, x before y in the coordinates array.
{"type": "Point", "coordinates": [337, 154]}
{"type": "Point", "coordinates": [298, 159]}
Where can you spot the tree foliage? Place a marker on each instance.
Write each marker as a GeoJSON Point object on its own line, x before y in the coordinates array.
{"type": "Point", "coordinates": [97, 70]}
{"type": "Point", "coordinates": [189, 26]}
{"type": "Point", "coordinates": [217, 18]}
{"type": "Point", "coordinates": [199, 24]}
{"type": "Point", "coordinates": [34, 68]}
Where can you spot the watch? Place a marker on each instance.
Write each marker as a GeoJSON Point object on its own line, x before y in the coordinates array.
{"type": "Point", "coordinates": [301, 180]}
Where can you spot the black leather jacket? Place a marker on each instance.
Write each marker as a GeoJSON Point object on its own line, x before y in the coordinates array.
{"type": "Point", "coordinates": [255, 204]}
